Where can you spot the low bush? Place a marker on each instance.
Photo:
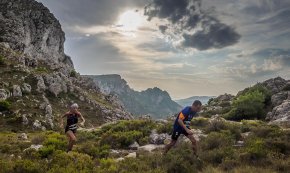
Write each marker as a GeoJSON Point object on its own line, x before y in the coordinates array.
{"type": "Point", "coordinates": [120, 139]}
{"type": "Point", "coordinates": [41, 70]}
{"type": "Point", "coordinates": [165, 128]}
{"type": "Point", "coordinates": [5, 105]}
{"type": "Point", "coordinates": [94, 150]}
{"type": "Point", "coordinates": [199, 122]}
{"type": "Point", "coordinates": [28, 166]}
{"type": "Point", "coordinates": [255, 149]}
{"type": "Point", "coordinates": [217, 140]}
{"type": "Point", "coordinates": [2, 60]}
{"type": "Point", "coordinates": [73, 73]}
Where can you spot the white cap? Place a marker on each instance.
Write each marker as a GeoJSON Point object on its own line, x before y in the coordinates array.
{"type": "Point", "coordinates": [74, 106]}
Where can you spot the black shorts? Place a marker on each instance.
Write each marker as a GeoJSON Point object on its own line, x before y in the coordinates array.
{"type": "Point", "coordinates": [68, 129]}
{"type": "Point", "coordinates": [177, 133]}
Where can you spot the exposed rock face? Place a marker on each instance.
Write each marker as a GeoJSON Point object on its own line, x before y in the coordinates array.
{"type": "Point", "coordinates": [280, 115]}
{"type": "Point", "coordinates": [29, 27]}
{"type": "Point", "coordinates": [153, 101]}
{"type": "Point", "coordinates": [275, 85]}
{"type": "Point", "coordinates": [278, 98]}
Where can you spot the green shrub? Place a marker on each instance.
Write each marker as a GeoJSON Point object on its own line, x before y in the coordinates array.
{"type": "Point", "coordinates": [217, 140]}
{"type": "Point", "coordinates": [255, 148]}
{"type": "Point", "coordinates": [5, 105]}
{"type": "Point", "coordinates": [75, 162]}
{"type": "Point", "coordinates": [41, 70]}
{"type": "Point", "coordinates": [27, 166]}
{"type": "Point", "coordinates": [120, 139]}
{"type": "Point", "coordinates": [199, 122]}
{"type": "Point", "coordinates": [52, 143]}
{"type": "Point", "coordinates": [94, 150]}
{"type": "Point", "coordinates": [164, 128]}
{"type": "Point", "coordinates": [216, 125]}
{"type": "Point", "coordinates": [216, 156]}
{"type": "Point", "coordinates": [73, 73]}
{"type": "Point", "coordinates": [108, 165]}
{"type": "Point", "coordinates": [46, 151]}
{"type": "Point", "coordinates": [57, 143]}
{"type": "Point", "coordinates": [248, 106]}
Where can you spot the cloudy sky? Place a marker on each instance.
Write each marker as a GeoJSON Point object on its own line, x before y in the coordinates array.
{"type": "Point", "coordinates": [187, 47]}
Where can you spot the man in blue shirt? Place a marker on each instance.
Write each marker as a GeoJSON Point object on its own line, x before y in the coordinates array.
{"type": "Point", "coordinates": [182, 126]}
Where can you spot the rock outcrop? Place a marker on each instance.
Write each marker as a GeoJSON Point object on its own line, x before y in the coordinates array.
{"type": "Point", "coordinates": [280, 114]}
{"type": "Point", "coordinates": [29, 27]}
{"type": "Point", "coordinates": [275, 85]}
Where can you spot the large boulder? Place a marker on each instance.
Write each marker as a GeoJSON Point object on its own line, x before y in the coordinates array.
{"type": "Point", "coordinates": [22, 136]}
{"type": "Point", "coordinates": [157, 139]}
{"type": "Point", "coordinates": [280, 115]}
{"type": "Point", "coordinates": [134, 146]}
{"type": "Point", "coordinates": [17, 91]}
{"type": "Point", "coordinates": [275, 85]}
{"type": "Point", "coordinates": [40, 86]}
{"type": "Point", "coordinates": [56, 83]}
{"type": "Point", "coordinates": [26, 88]}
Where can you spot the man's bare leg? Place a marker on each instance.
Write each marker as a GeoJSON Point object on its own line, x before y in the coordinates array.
{"type": "Point", "coordinates": [169, 146]}
{"type": "Point", "coordinates": [194, 144]}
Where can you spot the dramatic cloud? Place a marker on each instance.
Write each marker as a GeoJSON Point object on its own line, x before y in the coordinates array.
{"type": "Point", "coordinates": [191, 26]}
{"type": "Point", "coordinates": [256, 65]}
{"type": "Point", "coordinates": [241, 41]}
{"type": "Point", "coordinates": [90, 12]}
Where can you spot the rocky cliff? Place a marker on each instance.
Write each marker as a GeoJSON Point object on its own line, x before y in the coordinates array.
{"type": "Point", "coordinates": [153, 101]}
{"type": "Point", "coordinates": [37, 80]}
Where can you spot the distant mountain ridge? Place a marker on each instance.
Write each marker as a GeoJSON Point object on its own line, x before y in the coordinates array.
{"type": "Point", "coordinates": [189, 101]}
{"type": "Point", "coordinates": [153, 101]}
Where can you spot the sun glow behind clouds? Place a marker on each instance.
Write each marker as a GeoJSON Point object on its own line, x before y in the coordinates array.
{"type": "Point", "coordinates": [129, 22]}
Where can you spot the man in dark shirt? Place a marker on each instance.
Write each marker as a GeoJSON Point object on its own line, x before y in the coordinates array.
{"type": "Point", "coordinates": [182, 126]}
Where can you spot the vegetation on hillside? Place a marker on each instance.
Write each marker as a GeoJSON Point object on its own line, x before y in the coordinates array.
{"type": "Point", "coordinates": [266, 149]}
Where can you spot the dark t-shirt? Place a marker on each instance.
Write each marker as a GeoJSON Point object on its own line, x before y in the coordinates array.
{"type": "Point", "coordinates": [186, 116]}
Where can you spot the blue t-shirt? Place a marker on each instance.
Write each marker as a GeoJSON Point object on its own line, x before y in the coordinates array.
{"type": "Point", "coordinates": [186, 116]}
